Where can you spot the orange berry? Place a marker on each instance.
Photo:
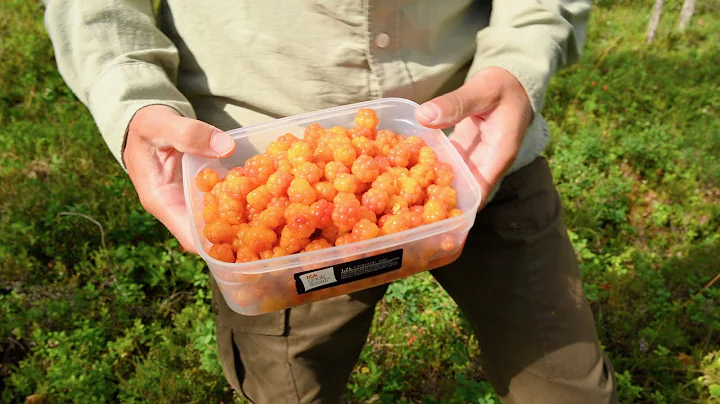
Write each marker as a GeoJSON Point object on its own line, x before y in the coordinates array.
{"type": "Point", "coordinates": [366, 118]}
{"type": "Point", "coordinates": [322, 213]}
{"type": "Point", "coordinates": [365, 213]}
{"type": "Point", "coordinates": [330, 233]}
{"type": "Point", "coordinates": [222, 252]}
{"type": "Point", "coordinates": [278, 183]}
{"type": "Point", "coordinates": [210, 213]}
{"type": "Point", "coordinates": [282, 164]}
{"type": "Point", "coordinates": [276, 148]}
{"type": "Point", "coordinates": [233, 217]}
{"type": "Point", "coordinates": [447, 243]}
{"type": "Point", "coordinates": [267, 254]}
{"type": "Point", "coordinates": [313, 133]}
{"type": "Point", "coordinates": [364, 146]}
{"type": "Point", "coordinates": [399, 172]}
{"type": "Point", "coordinates": [376, 200]}
{"type": "Point", "coordinates": [325, 190]}
{"type": "Point", "coordinates": [426, 155]}
{"type": "Point", "coordinates": [206, 179]}
{"type": "Point", "coordinates": [333, 168]}
{"type": "Point", "coordinates": [292, 242]}
{"type": "Point", "coordinates": [279, 252]}
{"type": "Point", "coordinates": [410, 190]}
{"type": "Point", "coordinates": [209, 199]}
{"type": "Point", "coordinates": [396, 204]}
{"type": "Point", "coordinates": [345, 182]}
{"type": "Point", "coordinates": [309, 171]}
{"type": "Point", "coordinates": [259, 168]}
{"type": "Point", "coordinates": [300, 191]}
{"type": "Point", "coordinates": [382, 219]}
{"type": "Point", "coordinates": [383, 162]}
{"type": "Point", "coordinates": [239, 187]}
{"type": "Point", "coordinates": [251, 212]}
{"type": "Point", "coordinates": [289, 139]}
{"type": "Point", "coordinates": [434, 211]}
{"type": "Point", "coordinates": [365, 230]}
{"type": "Point", "coordinates": [339, 130]}
{"type": "Point", "coordinates": [399, 156]}
{"type": "Point", "coordinates": [361, 131]}
{"type": "Point", "coordinates": [259, 198]}
{"type": "Point", "coordinates": [300, 220]}
{"type": "Point", "coordinates": [424, 174]}
{"type": "Point", "coordinates": [395, 224]}
{"type": "Point", "coordinates": [365, 168]}
{"type": "Point", "coordinates": [415, 216]}
{"type": "Point", "coordinates": [227, 204]}
{"type": "Point", "coordinates": [272, 217]}
{"type": "Point", "coordinates": [244, 254]}
{"type": "Point", "coordinates": [280, 202]}
{"type": "Point", "coordinates": [218, 232]}
{"type": "Point", "coordinates": [445, 194]}
{"type": "Point", "coordinates": [299, 152]}
{"type": "Point", "coordinates": [259, 238]}
{"type": "Point", "coordinates": [444, 173]}
{"type": "Point", "coordinates": [386, 140]}
{"type": "Point", "coordinates": [346, 211]}
{"type": "Point", "coordinates": [345, 239]}
{"type": "Point", "coordinates": [455, 213]}
{"type": "Point", "coordinates": [344, 154]}
{"type": "Point", "coordinates": [387, 183]}
{"type": "Point", "coordinates": [317, 244]}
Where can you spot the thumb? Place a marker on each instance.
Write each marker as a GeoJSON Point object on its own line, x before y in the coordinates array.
{"type": "Point", "coordinates": [474, 98]}
{"type": "Point", "coordinates": [163, 127]}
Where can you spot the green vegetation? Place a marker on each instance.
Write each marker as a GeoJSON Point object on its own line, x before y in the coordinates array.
{"type": "Point", "coordinates": [121, 315]}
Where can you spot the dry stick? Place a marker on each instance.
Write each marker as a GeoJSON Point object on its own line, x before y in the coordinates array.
{"type": "Point", "coordinates": [102, 231]}
{"type": "Point", "coordinates": [688, 9]}
{"type": "Point", "coordinates": [662, 324]}
{"type": "Point", "coordinates": [655, 19]}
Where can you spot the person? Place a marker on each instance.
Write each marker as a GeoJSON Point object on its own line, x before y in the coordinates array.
{"type": "Point", "coordinates": [161, 83]}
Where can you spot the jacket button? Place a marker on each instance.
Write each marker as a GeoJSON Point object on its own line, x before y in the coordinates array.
{"type": "Point", "coordinates": [382, 40]}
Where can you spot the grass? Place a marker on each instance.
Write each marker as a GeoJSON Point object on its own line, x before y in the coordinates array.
{"type": "Point", "coordinates": [121, 315]}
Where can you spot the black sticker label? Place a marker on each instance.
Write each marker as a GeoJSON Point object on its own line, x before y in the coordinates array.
{"type": "Point", "coordinates": [310, 281]}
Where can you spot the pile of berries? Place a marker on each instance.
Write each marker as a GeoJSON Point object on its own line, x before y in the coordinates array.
{"type": "Point", "coordinates": [331, 187]}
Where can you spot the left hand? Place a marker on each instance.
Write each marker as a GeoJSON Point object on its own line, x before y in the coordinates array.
{"type": "Point", "coordinates": [491, 113]}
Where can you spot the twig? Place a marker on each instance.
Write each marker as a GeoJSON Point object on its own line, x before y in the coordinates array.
{"type": "Point", "coordinates": [102, 230]}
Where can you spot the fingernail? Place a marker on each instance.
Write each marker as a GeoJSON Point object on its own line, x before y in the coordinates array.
{"type": "Point", "coordinates": [221, 143]}
{"type": "Point", "coordinates": [429, 111]}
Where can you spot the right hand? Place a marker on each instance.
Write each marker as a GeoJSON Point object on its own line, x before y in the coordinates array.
{"type": "Point", "coordinates": [157, 138]}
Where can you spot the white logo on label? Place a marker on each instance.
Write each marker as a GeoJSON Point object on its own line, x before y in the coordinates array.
{"type": "Point", "coordinates": [318, 278]}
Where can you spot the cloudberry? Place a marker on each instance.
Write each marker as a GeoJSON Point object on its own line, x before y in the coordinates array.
{"type": "Point", "coordinates": [333, 168]}
{"type": "Point", "coordinates": [259, 198]}
{"type": "Point", "coordinates": [434, 211]}
{"type": "Point", "coordinates": [280, 202]}
{"type": "Point", "coordinates": [383, 162]}
{"type": "Point", "coordinates": [210, 213]}
{"type": "Point", "coordinates": [444, 173]}
{"type": "Point", "coordinates": [361, 131]}
{"type": "Point", "coordinates": [260, 238]}
{"type": "Point", "coordinates": [251, 212]}
{"type": "Point", "coordinates": [387, 183]}
{"type": "Point", "coordinates": [272, 217]}
{"type": "Point", "coordinates": [300, 191]}
{"type": "Point", "coordinates": [395, 224]}
{"type": "Point", "coordinates": [455, 213]}
{"type": "Point", "coordinates": [239, 187]}
{"type": "Point", "coordinates": [282, 164]}
{"type": "Point", "coordinates": [322, 213]}
{"type": "Point", "coordinates": [209, 199]}
{"type": "Point", "coordinates": [278, 183]}
{"type": "Point", "coordinates": [317, 244]}
{"type": "Point", "coordinates": [364, 146]}
{"type": "Point", "coordinates": [344, 239]}
{"type": "Point", "coordinates": [310, 171]}
{"type": "Point", "coordinates": [386, 140]}
{"type": "Point", "coordinates": [219, 232]}
{"type": "Point", "coordinates": [346, 211]}
{"type": "Point", "coordinates": [301, 224]}
{"type": "Point", "coordinates": [299, 152]}
{"type": "Point", "coordinates": [222, 252]}
{"type": "Point", "coordinates": [292, 242]}
{"type": "Point", "coordinates": [232, 216]}
{"type": "Point", "coordinates": [382, 219]}
{"type": "Point", "coordinates": [367, 214]}
{"type": "Point", "coordinates": [345, 182]}
{"type": "Point", "coordinates": [376, 199]}
{"type": "Point", "coordinates": [365, 230]}
{"type": "Point", "coordinates": [399, 172]}
{"type": "Point", "coordinates": [325, 190]}
{"type": "Point", "coordinates": [365, 168]}
{"type": "Point", "coordinates": [244, 254]}
{"type": "Point", "coordinates": [396, 204]}
{"type": "Point", "coordinates": [206, 179]}
{"type": "Point", "coordinates": [267, 254]}
{"type": "Point", "coordinates": [366, 118]}
{"type": "Point", "coordinates": [339, 130]}
{"type": "Point", "coordinates": [426, 155]}
{"type": "Point", "coordinates": [279, 252]}
{"type": "Point", "coordinates": [289, 139]}
{"type": "Point", "coordinates": [415, 216]}
{"type": "Point", "coordinates": [424, 174]}
{"type": "Point", "coordinates": [259, 168]}
{"type": "Point", "coordinates": [330, 233]}
{"type": "Point", "coordinates": [410, 190]}
{"type": "Point", "coordinates": [344, 154]}
{"type": "Point", "coordinates": [276, 148]}
{"type": "Point", "coordinates": [399, 156]}
{"type": "Point", "coordinates": [313, 133]}
{"type": "Point", "coordinates": [444, 194]}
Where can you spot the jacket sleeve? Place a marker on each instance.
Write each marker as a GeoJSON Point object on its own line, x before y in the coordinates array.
{"type": "Point", "coordinates": [115, 59]}
{"type": "Point", "coordinates": [532, 39]}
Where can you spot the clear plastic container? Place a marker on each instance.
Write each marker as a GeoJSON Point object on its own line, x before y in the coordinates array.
{"type": "Point", "coordinates": [263, 286]}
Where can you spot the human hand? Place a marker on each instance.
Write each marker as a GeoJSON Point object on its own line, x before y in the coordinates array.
{"type": "Point", "coordinates": [491, 113]}
{"type": "Point", "coordinates": [157, 138]}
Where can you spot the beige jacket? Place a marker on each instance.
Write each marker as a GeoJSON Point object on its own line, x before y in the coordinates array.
{"type": "Point", "coordinates": [235, 63]}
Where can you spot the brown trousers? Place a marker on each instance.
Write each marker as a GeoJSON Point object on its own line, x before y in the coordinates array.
{"type": "Point", "coordinates": [517, 282]}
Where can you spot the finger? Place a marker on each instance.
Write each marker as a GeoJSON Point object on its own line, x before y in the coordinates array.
{"type": "Point", "coordinates": [163, 127]}
{"type": "Point", "coordinates": [475, 98]}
